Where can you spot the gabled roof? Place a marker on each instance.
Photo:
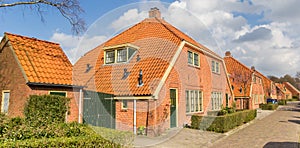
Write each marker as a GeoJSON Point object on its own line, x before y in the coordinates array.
{"type": "Point", "coordinates": [281, 87]}
{"type": "Point", "coordinates": [240, 76]}
{"type": "Point", "coordinates": [43, 62]}
{"type": "Point", "coordinates": [158, 42]}
{"type": "Point", "coordinates": [291, 88]}
{"type": "Point", "coordinates": [266, 83]}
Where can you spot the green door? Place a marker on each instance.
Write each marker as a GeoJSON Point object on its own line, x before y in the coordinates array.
{"type": "Point", "coordinates": [173, 116]}
{"type": "Point", "coordinates": [99, 109]}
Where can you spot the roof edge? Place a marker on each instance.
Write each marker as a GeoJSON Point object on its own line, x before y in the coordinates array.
{"type": "Point", "coordinates": [54, 85]}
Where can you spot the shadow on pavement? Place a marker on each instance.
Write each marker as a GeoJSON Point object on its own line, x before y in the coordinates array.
{"type": "Point", "coordinates": [295, 121]}
{"type": "Point", "coordinates": [282, 145]}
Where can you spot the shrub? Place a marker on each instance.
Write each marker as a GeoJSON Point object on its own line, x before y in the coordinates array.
{"type": "Point", "coordinates": [222, 123]}
{"type": "Point", "coordinates": [282, 102]}
{"type": "Point", "coordinates": [124, 138]}
{"type": "Point", "coordinates": [268, 106]}
{"type": "Point", "coordinates": [93, 140]}
{"type": "Point", "coordinates": [46, 109]}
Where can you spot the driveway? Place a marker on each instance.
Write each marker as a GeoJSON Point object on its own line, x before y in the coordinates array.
{"type": "Point", "coordinates": [279, 128]}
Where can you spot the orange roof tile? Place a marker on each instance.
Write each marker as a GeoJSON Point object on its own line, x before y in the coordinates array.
{"type": "Point", "coordinates": [157, 41]}
{"type": "Point", "coordinates": [42, 61]}
{"type": "Point", "coordinates": [240, 76]}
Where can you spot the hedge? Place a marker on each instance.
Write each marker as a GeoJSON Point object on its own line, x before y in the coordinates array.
{"type": "Point", "coordinates": [224, 123]}
{"type": "Point", "coordinates": [79, 141]}
{"type": "Point", "coordinates": [268, 106]}
{"type": "Point", "coordinates": [282, 102]}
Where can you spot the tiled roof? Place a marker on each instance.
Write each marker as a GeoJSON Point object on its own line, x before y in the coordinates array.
{"type": "Point", "coordinates": [291, 88]}
{"type": "Point", "coordinates": [239, 75]}
{"type": "Point", "coordinates": [42, 61]}
{"type": "Point", "coordinates": [157, 41]}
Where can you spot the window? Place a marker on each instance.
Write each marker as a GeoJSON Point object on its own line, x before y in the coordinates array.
{"type": "Point", "coordinates": [58, 93]}
{"type": "Point", "coordinates": [193, 100]}
{"type": "Point", "coordinates": [190, 57]}
{"type": "Point", "coordinates": [215, 67]}
{"type": "Point", "coordinates": [5, 101]}
{"type": "Point", "coordinates": [193, 59]}
{"type": "Point", "coordinates": [110, 57]}
{"type": "Point", "coordinates": [216, 100]}
{"type": "Point", "coordinates": [124, 104]}
{"type": "Point", "coordinates": [119, 55]}
{"type": "Point", "coordinates": [122, 55]}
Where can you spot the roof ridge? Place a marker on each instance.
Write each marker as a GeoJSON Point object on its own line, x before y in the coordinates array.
{"type": "Point", "coordinates": [32, 38]}
{"type": "Point", "coordinates": [169, 28]}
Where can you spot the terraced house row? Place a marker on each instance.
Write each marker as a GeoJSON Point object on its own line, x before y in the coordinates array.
{"type": "Point", "coordinates": [151, 75]}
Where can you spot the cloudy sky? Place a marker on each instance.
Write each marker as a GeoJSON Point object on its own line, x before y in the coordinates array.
{"type": "Point", "coordinates": [260, 33]}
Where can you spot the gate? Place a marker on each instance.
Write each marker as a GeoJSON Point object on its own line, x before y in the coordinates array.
{"type": "Point", "coordinates": [99, 109]}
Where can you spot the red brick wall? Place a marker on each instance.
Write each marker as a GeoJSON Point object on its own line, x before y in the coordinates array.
{"type": "Point", "coordinates": [257, 90]}
{"type": "Point", "coordinates": [12, 79]}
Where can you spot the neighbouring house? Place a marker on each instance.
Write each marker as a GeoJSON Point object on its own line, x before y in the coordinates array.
{"type": "Point", "coordinates": [268, 85]}
{"type": "Point", "coordinates": [29, 66]}
{"type": "Point", "coordinates": [151, 75]}
{"type": "Point", "coordinates": [295, 92]}
{"type": "Point", "coordinates": [282, 92]}
{"type": "Point", "coordinates": [247, 84]}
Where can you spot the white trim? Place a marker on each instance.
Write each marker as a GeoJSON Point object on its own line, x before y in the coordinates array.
{"type": "Point", "coordinates": [121, 45]}
{"type": "Point", "coordinates": [172, 63]}
{"type": "Point", "coordinates": [122, 104]}
{"type": "Point", "coordinates": [133, 97]}
{"type": "Point", "coordinates": [206, 52]}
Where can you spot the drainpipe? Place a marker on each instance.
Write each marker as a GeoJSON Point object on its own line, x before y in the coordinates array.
{"type": "Point", "coordinates": [79, 106]}
{"type": "Point", "coordinates": [134, 116]}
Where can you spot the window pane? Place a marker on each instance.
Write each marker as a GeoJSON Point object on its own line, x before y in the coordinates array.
{"type": "Point", "coordinates": [6, 101]}
{"type": "Point", "coordinates": [124, 104]}
{"type": "Point", "coordinates": [192, 101]}
{"type": "Point", "coordinates": [187, 101]}
{"type": "Point", "coordinates": [217, 67]}
{"type": "Point", "coordinates": [213, 66]}
{"type": "Point", "coordinates": [130, 52]}
{"type": "Point", "coordinates": [196, 59]}
{"type": "Point", "coordinates": [212, 101]}
{"type": "Point", "coordinates": [196, 101]}
{"type": "Point", "coordinates": [190, 57]}
{"type": "Point", "coordinates": [200, 100]}
{"type": "Point", "coordinates": [122, 55]}
{"type": "Point", "coordinates": [110, 57]}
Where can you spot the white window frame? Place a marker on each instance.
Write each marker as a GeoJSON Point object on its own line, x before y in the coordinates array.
{"type": "Point", "coordinates": [215, 66]}
{"type": "Point", "coordinates": [194, 101]}
{"type": "Point", "coordinates": [216, 100]}
{"type": "Point", "coordinates": [122, 104]}
{"type": "Point", "coordinates": [116, 55]}
{"type": "Point", "coordinates": [193, 63]}
{"type": "Point", "coordinates": [2, 101]}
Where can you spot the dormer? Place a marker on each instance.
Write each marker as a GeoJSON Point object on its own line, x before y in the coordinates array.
{"type": "Point", "coordinates": [119, 53]}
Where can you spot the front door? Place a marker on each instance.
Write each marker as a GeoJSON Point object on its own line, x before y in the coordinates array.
{"type": "Point", "coordinates": [173, 115]}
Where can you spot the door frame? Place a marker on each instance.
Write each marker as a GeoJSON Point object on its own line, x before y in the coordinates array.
{"type": "Point", "coordinates": [176, 100]}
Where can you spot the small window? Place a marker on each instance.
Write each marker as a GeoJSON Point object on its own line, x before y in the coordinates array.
{"type": "Point", "coordinates": [124, 104]}
{"type": "Point", "coordinates": [5, 101]}
{"type": "Point", "coordinates": [190, 57]}
{"type": "Point", "coordinates": [110, 57]}
{"type": "Point", "coordinates": [215, 67]}
{"type": "Point", "coordinates": [58, 93]}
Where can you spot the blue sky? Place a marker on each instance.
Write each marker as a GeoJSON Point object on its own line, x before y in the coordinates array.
{"type": "Point", "coordinates": [256, 32]}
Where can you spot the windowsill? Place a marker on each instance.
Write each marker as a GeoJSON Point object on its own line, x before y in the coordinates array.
{"type": "Point", "coordinates": [191, 65]}
{"type": "Point", "coordinates": [192, 113]}
{"type": "Point", "coordinates": [216, 73]}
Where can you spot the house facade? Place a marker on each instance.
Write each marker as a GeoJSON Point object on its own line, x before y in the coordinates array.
{"type": "Point", "coordinates": [246, 83]}
{"type": "Point", "coordinates": [294, 91]}
{"type": "Point", "coordinates": [29, 66]}
{"type": "Point", "coordinates": [154, 76]}
{"type": "Point", "coordinates": [282, 92]}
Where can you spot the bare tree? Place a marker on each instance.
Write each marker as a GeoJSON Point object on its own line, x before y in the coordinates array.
{"type": "Point", "coordinates": [70, 9]}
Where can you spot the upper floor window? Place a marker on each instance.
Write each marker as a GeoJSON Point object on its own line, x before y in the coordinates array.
{"type": "Point", "coordinates": [193, 58]}
{"type": "Point", "coordinates": [118, 54]}
{"type": "Point", "coordinates": [215, 67]}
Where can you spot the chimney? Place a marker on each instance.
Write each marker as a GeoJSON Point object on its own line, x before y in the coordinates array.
{"type": "Point", "coordinates": [227, 54]}
{"type": "Point", "coordinates": [253, 68]}
{"type": "Point", "coordinates": [154, 12]}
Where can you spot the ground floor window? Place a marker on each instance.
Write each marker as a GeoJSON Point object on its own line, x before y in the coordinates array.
{"type": "Point", "coordinates": [124, 104]}
{"type": "Point", "coordinates": [5, 101]}
{"type": "Point", "coordinates": [194, 102]}
{"type": "Point", "coordinates": [216, 100]}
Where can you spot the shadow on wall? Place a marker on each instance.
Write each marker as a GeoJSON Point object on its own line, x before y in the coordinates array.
{"type": "Point", "coordinates": [295, 121]}
{"type": "Point", "coordinates": [282, 145]}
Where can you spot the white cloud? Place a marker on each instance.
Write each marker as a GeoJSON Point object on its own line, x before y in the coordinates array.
{"type": "Point", "coordinates": [1, 38]}
{"type": "Point", "coordinates": [75, 46]}
{"type": "Point", "coordinates": [130, 17]}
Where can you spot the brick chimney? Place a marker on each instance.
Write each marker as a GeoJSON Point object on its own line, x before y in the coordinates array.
{"type": "Point", "coordinates": [228, 54]}
{"type": "Point", "coordinates": [253, 68]}
{"type": "Point", "coordinates": [154, 12]}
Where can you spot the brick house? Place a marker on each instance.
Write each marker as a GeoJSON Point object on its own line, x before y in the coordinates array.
{"type": "Point", "coordinates": [247, 83]}
{"type": "Point", "coordinates": [295, 92]}
{"type": "Point", "coordinates": [29, 66]}
{"type": "Point", "coordinates": [268, 85]}
{"type": "Point", "coordinates": [282, 92]}
{"type": "Point", "coordinates": [153, 75]}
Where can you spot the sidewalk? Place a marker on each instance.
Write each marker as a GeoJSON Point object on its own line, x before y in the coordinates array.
{"type": "Point", "coordinates": [183, 137]}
